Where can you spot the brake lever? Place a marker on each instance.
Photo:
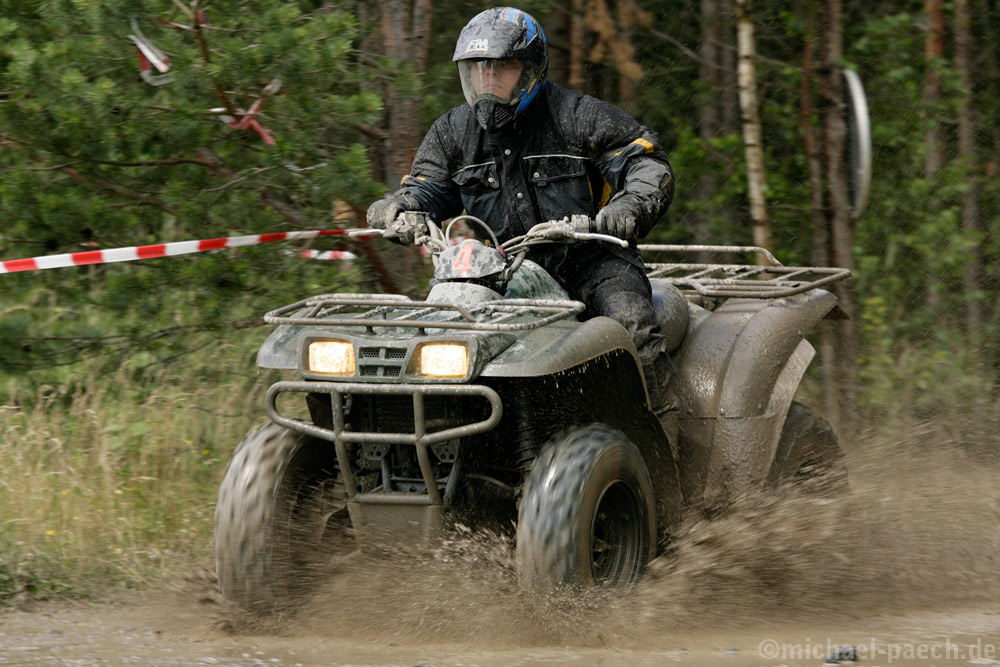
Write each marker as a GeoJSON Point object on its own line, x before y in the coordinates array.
{"type": "Point", "coordinates": [591, 236]}
{"type": "Point", "coordinates": [560, 230]}
{"type": "Point", "coordinates": [423, 239]}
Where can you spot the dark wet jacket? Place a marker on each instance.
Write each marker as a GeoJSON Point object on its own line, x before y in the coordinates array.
{"type": "Point", "coordinates": [566, 154]}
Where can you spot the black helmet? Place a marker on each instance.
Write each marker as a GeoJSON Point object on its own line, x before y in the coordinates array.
{"type": "Point", "coordinates": [489, 50]}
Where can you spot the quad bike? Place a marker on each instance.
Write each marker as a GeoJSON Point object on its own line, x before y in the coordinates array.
{"type": "Point", "coordinates": [490, 402]}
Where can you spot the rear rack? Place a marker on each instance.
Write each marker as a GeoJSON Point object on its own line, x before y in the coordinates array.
{"type": "Point", "coordinates": [395, 310]}
{"type": "Point", "coordinates": [749, 281]}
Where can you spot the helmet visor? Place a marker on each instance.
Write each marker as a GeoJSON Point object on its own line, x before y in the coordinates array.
{"type": "Point", "coordinates": [503, 80]}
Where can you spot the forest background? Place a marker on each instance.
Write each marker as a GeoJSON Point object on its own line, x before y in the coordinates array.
{"type": "Point", "coordinates": [124, 387]}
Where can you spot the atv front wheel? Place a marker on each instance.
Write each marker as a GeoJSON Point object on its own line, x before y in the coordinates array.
{"type": "Point", "coordinates": [281, 508]}
{"type": "Point", "coordinates": [587, 515]}
{"type": "Point", "coordinates": [808, 454]}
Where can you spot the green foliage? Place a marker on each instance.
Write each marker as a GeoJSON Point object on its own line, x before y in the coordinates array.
{"type": "Point", "coordinates": [910, 248]}
{"type": "Point", "coordinates": [95, 157]}
{"type": "Point", "coordinates": [26, 576]}
{"type": "Point", "coordinates": [916, 379]}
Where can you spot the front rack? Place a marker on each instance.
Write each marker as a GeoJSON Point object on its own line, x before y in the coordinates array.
{"type": "Point", "coordinates": [395, 310]}
{"type": "Point", "coordinates": [750, 281]}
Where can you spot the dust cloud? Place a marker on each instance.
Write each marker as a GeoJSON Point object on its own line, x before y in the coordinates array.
{"type": "Point", "coordinates": [918, 530]}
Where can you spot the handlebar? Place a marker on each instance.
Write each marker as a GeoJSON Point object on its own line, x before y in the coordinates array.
{"type": "Point", "coordinates": [568, 229]}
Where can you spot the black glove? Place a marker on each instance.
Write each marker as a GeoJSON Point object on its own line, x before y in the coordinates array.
{"type": "Point", "coordinates": [384, 211]}
{"type": "Point", "coordinates": [407, 226]}
{"type": "Point", "coordinates": [616, 219]}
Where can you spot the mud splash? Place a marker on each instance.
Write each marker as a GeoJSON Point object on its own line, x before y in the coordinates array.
{"type": "Point", "coordinates": [919, 530]}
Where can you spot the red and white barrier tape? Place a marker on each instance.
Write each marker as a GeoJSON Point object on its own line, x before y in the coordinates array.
{"type": "Point", "coordinates": [150, 57]}
{"type": "Point", "coordinates": [248, 119]}
{"type": "Point", "coordinates": [168, 250]}
{"type": "Point", "coordinates": [327, 254]}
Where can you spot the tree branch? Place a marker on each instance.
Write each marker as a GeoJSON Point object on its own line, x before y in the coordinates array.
{"type": "Point", "coordinates": [98, 183]}
{"type": "Point", "coordinates": [155, 163]}
{"type": "Point", "coordinates": [684, 49]}
{"type": "Point", "coordinates": [117, 190]}
{"type": "Point", "coordinates": [206, 56]}
{"type": "Point", "coordinates": [721, 44]}
{"type": "Point", "coordinates": [57, 167]}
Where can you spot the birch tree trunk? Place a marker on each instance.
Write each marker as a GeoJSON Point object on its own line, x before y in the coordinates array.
{"type": "Point", "coordinates": [967, 147]}
{"type": "Point", "coordinates": [756, 178]}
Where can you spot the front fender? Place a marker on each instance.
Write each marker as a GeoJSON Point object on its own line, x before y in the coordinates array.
{"type": "Point", "coordinates": [560, 346]}
{"type": "Point", "coordinates": [281, 349]}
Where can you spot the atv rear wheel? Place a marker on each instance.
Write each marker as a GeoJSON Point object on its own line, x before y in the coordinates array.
{"type": "Point", "coordinates": [281, 509]}
{"type": "Point", "coordinates": [808, 455]}
{"type": "Point", "coordinates": [587, 515]}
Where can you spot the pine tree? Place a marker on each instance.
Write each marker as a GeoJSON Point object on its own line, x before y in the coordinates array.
{"type": "Point", "coordinates": [94, 156]}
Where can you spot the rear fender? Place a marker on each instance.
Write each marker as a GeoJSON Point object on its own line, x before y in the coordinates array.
{"type": "Point", "coordinates": [737, 373]}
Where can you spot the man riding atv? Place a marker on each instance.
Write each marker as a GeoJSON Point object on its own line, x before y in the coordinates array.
{"type": "Point", "coordinates": [524, 151]}
{"type": "Point", "coordinates": [495, 401]}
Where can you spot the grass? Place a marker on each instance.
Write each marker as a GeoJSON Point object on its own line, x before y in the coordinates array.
{"type": "Point", "coordinates": [108, 482]}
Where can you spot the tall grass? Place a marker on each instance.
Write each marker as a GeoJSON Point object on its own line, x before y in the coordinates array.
{"type": "Point", "coordinates": [106, 481]}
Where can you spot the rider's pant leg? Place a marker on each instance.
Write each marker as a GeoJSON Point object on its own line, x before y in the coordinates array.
{"type": "Point", "coordinates": [618, 289]}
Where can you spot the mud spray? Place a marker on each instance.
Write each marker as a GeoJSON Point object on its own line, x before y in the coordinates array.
{"type": "Point", "coordinates": [919, 530]}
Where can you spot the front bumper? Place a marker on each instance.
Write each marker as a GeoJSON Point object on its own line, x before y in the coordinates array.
{"type": "Point", "coordinates": [419, 438]}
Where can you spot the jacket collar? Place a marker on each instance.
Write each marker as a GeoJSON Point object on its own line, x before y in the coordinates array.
{"type": "Point", "coordinates": [524, 124]}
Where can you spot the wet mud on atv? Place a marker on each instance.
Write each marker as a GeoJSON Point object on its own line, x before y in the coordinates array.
{"type": "Point", "coordinates": [489, 402]}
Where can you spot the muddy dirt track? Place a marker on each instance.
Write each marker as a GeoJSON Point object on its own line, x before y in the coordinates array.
{"type": "Point", "coordinates": [138, 633]}
{"type": "Point", "coordinates": [906, 568]}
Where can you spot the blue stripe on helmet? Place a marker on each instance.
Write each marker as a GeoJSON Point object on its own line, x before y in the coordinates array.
{"type": "Point", "coordinates": [527, 98]}
{"type": "Point", "coordinates": [531, 25]}
{"type": "Point", "coordinates": [512, 15]}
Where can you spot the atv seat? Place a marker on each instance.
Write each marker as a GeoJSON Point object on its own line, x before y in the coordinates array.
{"type": "Point", "coordinates": [671, 312]}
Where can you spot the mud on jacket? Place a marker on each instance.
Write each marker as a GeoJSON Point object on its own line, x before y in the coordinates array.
{"type": "Point", "coordinates": [566, 154]}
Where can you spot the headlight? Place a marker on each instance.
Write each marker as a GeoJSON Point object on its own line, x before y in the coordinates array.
{"type": "Point", "coordinates": [443, 360]}
{"type": "Point", "coordinates": [331, 357]}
